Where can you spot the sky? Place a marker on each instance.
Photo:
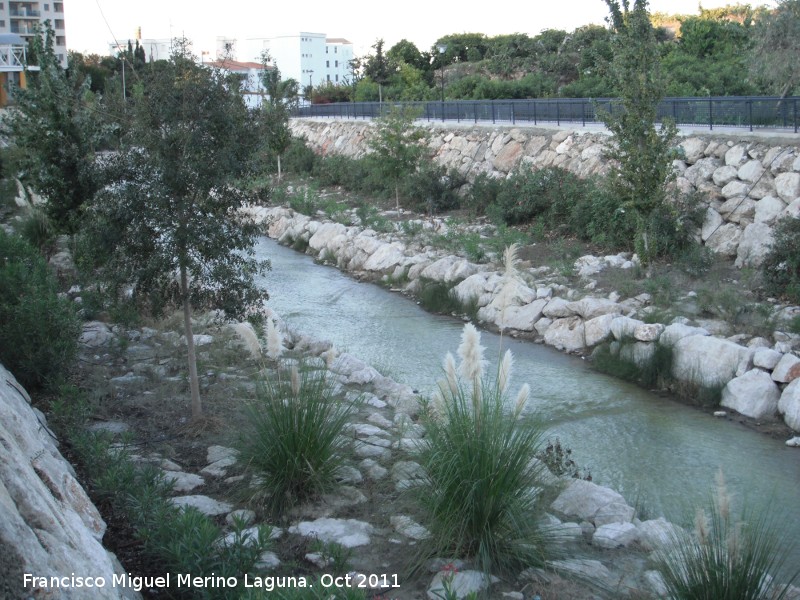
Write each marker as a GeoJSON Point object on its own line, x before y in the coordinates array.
{"type": "Point", "coordinates": [92, 24]}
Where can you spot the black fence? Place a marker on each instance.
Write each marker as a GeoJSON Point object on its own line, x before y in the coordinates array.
{"type": "Point", "coordinates": [752, 112]}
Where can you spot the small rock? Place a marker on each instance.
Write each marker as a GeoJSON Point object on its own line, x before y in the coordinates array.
{"type": "Point", "coordinates": [373, 470]}
{"type": "Point", "coordinates": [207, 506]}
{"type": "Point", "coordinates": [406, 526]}
{"type": "Point", "coordinates": [183, 482]}
{"type": "Point", "coordinates": [349, 533]}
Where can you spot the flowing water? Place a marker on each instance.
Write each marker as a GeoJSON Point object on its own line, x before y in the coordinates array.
{"type": "Point", "coordinates": [661, 455]}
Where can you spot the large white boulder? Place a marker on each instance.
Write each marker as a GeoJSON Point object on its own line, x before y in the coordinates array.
{"type": "Point", "coordinates": [754, 245]}
{"type": "Point", "coordinates": [788, 186]}
{"type": "Point", "coordinates": [789, 405]}
{"type": "Point", "coordinates": [449, 269]}
{"type": "Point", "coordinates": [589, 308]}
{"type": "Point", "coordinates": [566, 334]}
{"type": "Point", "coordinates": [753, 394]}
{"type": "Point", "coordinates": [598, 329]}
{"type": "Point", "coordinates": [386, 258]}
{"type": "Point", "coordinates": [672, 333]}
{"type": "Point", "coordinates": [706, 361]}
{"type": "Point", "coordinates": [614, 535]}
{"type": "Point", "coordinates": [522, 318]}
{"type": "Point", "coordinates": [787, 369]}
{"type": "Point", "coordinates": [583, 499]}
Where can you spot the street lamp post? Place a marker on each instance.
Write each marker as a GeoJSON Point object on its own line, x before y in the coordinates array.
{"type": "Point", "coordinates": [442, 48]}
{"type": "Point", "coordinates": [310, 87]}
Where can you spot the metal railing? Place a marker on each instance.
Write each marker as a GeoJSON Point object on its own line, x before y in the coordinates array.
{"type": "Point", "coordinates": [750, 112]}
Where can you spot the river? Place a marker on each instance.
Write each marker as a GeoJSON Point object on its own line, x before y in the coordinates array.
{"type": "Point", "coordinates": [658, 453]}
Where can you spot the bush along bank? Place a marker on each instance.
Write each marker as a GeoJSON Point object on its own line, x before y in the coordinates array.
{"type": "Point", "coordinates": [702, 359]}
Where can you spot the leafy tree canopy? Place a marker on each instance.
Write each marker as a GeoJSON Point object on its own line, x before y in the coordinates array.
{"type": "Point", "coordinates": [168, 218]}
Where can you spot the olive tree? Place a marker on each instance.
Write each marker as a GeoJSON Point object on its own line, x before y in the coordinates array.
{"type": "Point", "coordinates": [397, 146]}
{"type": "Point", "coordinates": [168, 219]}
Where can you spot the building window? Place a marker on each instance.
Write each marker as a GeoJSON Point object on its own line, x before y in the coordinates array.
{"type": "Point", "coordinates": [329, 78]}
{"type": "Point", "coordinates": [326, 49]}
{"type": "Point", "coordinates": [328, 64]}
{"type": "Point", "coordinates": [46, 7]}
{"type": "Point", "coordinates": [335, 49]}
{"type": "Point", "coordinates": [336, 63]}
{"type": "Point", "coordinates": [2, 23]}
{"type": "Point", "coordinates": [337, 79]}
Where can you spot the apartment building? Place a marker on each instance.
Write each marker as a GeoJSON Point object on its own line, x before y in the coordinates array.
{"type": "Point", "coordinates": [21, 18]}
{"type": "Point", "coordinates": [312, 58]}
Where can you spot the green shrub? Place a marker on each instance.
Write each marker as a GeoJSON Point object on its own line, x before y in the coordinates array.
{"type": "Point", "coordinates": [38, 330]}
{"type": "Point", "coordinates": [782, 263]}
{"type": "Point", "coordinates": [433, 189]}
{"type": "Point", "coordinates": [727, 556]}
{"type": "Point", "coordinates": [438, 297]}
{"type": "Point", "coordinates": [299, 158]}
{"type": "Point", "coordinates": [478, 491]}
{"type": "Point", "coordinates": [559, 461]}
{"type": "Point", "coordinates": [483, 194]}
{"type": "Point", "coordinates": [294, 440]}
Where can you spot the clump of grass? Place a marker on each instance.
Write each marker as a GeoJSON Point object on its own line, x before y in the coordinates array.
{"type": "Point", "coordinates": [480, 472]}
{"type": "Point", "coordinates": [293, 441]}
{"type": "Point", "coordinates": [438, 297]}
{"type": "Point", "coordinates": [726, 557]}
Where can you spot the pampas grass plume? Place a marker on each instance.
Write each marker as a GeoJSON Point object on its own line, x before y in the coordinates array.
{"type": "Point", "coordinates": [471, 354]}
{"type": "Point", "coordinates": [274, 340]}
{"type": "Point", "coordinates": [504, 372]}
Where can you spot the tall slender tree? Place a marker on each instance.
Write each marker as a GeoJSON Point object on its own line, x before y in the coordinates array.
{"type": "Point", "coordinates": [642, 154]}
{"type": "Point", "coordinates": [282, 97]}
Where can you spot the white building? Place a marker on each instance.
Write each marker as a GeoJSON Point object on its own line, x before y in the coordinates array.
{"type": "Point", "coordinates": [312, 58]}
{"type": "Point", "coordinates": [21, 18]}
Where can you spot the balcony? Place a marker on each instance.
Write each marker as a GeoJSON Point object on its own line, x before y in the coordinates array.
{"type": "Point", "coordinates": [22, 29]}
{"type": "Point", "coordinates": [25, 13]}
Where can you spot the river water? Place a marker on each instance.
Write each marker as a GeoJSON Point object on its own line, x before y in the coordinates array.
{"type": "Point", "coordinates": [660, 454]}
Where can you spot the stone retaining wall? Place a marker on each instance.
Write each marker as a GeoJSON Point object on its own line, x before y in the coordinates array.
{"type": "Point", "coordinates": [48, 525]}
{"type": "Point", "coordinates": [746, 183]}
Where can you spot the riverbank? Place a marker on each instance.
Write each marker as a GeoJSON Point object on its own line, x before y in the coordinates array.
{"type": "Point", "coordinates": [706, 359]}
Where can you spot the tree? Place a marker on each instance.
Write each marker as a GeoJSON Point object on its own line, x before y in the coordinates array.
{"type": "Point", "coordinates": [378, 67]}
{"type": "Point", "coordinates": [55, 127]}
{"type": "Point", "coordinates": [168, 220]}
{"type": "Point", "coordinates": [642, 154]}
{"type": "Point", "coordinates": [282, 96]}
{"type": "Point", "coordinates": [398, 145]}
{"type": "Point", "coordinates": [778, 46]}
